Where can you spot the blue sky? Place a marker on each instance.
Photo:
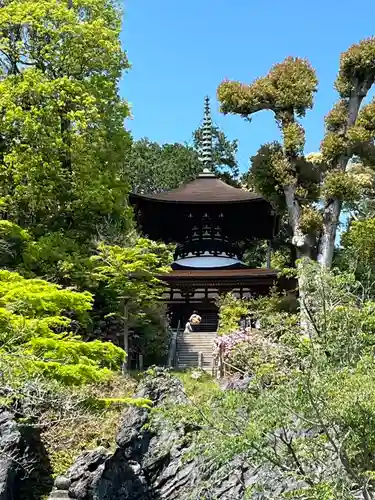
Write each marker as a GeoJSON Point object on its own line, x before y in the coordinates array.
{"type": "Point", "coordinates": [181, 50]}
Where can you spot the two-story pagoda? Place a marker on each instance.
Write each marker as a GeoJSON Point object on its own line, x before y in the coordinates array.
{"type": "Point", "coordinates": [211, 224]}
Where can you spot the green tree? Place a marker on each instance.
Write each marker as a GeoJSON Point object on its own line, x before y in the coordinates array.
{"type": "Point", "coordinates": [128, 278]}
{"type": "Point", "coordinates": [357, 253]}
{"type": "Point", "coordinates": [312, 188]}
{"type": "Point", "coordinates": [40, 326]}
{"type": "Point", "coordinates": [13, 242]}
{"type": "Point", "coordinates": [153, 168]}
{"type": "Point", "coordinates": [62, 128]}
{"type": "Point", "coordinates": [131, 273]}
{"type": "Point", "coordinates": [307, 418]}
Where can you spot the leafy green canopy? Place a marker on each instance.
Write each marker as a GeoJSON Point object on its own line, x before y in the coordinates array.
{"type": "Point", "coordinates": [132, 275]}
{"type": "Point", "coordinates": [39, 330]}
{"type": "Point", "coordinates": [62, 137]}
{"type": "Point", "coordinates": [113, 274]}
{"type": "Point", "coordinates": [357, 253]}
{"type": "Point", "coordinates": [231, 310]}
{"type": "Point", "coordinates": [153, 168]}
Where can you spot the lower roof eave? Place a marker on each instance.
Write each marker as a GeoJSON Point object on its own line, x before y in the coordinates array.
{"type": "Point", "coordinates": [219, 274]}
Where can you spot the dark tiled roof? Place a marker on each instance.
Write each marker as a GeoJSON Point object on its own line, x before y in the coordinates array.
{"type": "Point", "coordinates": [205, 189]}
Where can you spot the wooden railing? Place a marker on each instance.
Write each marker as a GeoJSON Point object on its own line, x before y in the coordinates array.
{"type": "Point", "coordinates": [220, 367]}
{"type": "Point", "coordinates": [218, 364]}
{"type": "Point", "coordinates": [172, 349]}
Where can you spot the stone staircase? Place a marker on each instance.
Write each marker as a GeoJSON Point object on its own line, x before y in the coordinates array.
{"type": "Point", "coordinates": [189, 347]}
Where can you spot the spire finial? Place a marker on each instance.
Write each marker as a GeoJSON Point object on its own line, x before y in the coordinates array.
{"type": "Point", "coordinates": [206, 152]}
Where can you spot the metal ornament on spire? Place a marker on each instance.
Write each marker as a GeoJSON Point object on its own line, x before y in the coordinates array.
{"type": "Point", "coordinates": [206, 151]}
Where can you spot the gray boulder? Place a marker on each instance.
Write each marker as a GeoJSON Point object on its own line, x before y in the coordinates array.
{"type": "Point", "coordinates": [10, 443]}
{"type": "Point", "coordinates": [152, 462]}
{"type": "Point", "coordinates": [25, 473]}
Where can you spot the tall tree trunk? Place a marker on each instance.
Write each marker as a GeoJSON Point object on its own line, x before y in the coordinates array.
{"type": "Point", "coordinates": [332, 210]}
{"type": "Point", "coordinates": [305, 249]}
{"type": "Point", "coordinates": [304, 243]}
{"type": "Point", "coordinates": [331, 220]}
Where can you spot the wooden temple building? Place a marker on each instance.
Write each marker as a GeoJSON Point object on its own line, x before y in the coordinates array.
{"type": "Point", "coordinates": [211, 223]}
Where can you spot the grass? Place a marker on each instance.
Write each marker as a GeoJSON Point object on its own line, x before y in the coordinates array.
{"type": "Point", "coordinates": [199, 390]}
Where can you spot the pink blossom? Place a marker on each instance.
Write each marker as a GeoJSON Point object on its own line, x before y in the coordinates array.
{"type": "Point", "coordinates": [227, 343]}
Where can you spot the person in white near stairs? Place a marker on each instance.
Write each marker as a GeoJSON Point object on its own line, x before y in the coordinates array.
{"type": "Point", "coordinates": [195, 320]}
{"type": "Point", "coordinates": [188, 327]}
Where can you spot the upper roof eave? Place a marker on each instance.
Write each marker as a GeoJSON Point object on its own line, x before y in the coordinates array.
{"type": "Point", "coordinates": [155, 198]}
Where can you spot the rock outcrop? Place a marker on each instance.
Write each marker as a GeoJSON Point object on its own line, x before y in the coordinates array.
{"type": "Point", "coordinates": [10, 439]}
{"type": "Point", "coordinates": [24, 468]}
{"type": "Point", "coordinates": [151, 463]}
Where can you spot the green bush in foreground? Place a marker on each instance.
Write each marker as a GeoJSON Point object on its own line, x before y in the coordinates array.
{"type": "Point", "coordinates": [37, 337]}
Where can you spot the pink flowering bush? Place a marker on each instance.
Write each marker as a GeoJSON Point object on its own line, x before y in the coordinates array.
{"type": "Point", "coordinates": [226, 343]}
{"type": "Point", "coordinates": [267, 362]}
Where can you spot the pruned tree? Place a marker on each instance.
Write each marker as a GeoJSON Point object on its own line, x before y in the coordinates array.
{"type": "Point", "coordinates": [312, 188]}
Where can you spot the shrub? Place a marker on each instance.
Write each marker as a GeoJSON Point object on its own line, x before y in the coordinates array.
{"type": "Point", "coordinates": [36, 336]}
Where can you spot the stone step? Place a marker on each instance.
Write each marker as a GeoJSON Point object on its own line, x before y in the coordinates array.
{"type": "Point", "coordinates": [195, 351]}
{"type": "Point", "coordinates": [195, 348]}
{"type": "Point", "coordinates": [189, 345]}
{"type": "Point", "coordinates": [190, 338]}
{"type": "Point", "coordinates": [199, 334]}
{"type": "Point", "coordinates": [193, 363]}
{"type": "Point", "coordinates": [195, 341]}
{"type": "Point", "coordinates": [195, 358]}
{"type": "Point", "coordinates": [58, 495]}
{"type": "Point", "coordinates": [197, 337]}
{"type": "Point", "coordinates": [194, 355]}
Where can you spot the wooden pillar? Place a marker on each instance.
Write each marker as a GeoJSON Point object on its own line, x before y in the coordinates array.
{"type": "Point", "coordinates": [140, 362]}
{"type": "Point", "coordinates": [269, 250]}
{"type": "Point", "coordinates": [221, 367]}
{"type": "Point", "coordinates": [125, 333]}
{"type": "Point", "coordinates": [200, 360]}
